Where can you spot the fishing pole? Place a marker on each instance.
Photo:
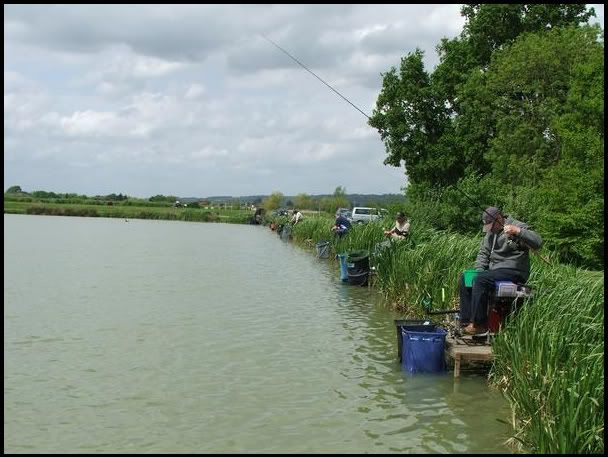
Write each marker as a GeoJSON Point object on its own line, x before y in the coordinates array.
{"type": "Point", "coordinates": [493, 218]}
{"type": "Point", "coordinates": [478, 205]}
{"type": "Point", "coordinates": [316, 76]}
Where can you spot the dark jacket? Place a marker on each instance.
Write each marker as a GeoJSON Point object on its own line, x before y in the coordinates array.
{"type": "Point", "coordinates": [497, 251]}
{"type": "Point", "coordinates": [341, 220]}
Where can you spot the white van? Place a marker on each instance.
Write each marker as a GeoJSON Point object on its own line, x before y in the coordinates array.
{"type": "Point", "coordinates": [363, 214]}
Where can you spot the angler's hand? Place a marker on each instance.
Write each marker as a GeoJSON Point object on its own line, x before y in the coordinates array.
{"type": "Point", "coordinates": [511, 230]}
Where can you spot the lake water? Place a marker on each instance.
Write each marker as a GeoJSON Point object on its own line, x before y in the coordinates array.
{"type": "Point", "coordinates": [157, 336]}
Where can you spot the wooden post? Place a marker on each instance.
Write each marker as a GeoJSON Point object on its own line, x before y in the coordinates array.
{"type": "Point", "coordinates": [456, 366]}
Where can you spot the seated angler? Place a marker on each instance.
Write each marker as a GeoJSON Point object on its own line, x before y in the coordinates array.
{"type": "Point", "coordinates": [401, 230]}
{"type": "Point", "coordinates": [503, 256]}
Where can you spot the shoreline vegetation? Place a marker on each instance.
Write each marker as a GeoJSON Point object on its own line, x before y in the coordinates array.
{"type": "Point", "coordinates": [549, 361]}
{"type": "Point", "coordinates": [128, 211]}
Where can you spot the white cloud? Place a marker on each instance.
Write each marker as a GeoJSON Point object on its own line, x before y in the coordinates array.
{"type": "Point", "coordinates": [147, 113]}
{"type": "Point", "coordinates": [25, 103]}
{"type": "Point", "coordinates": [190, 100]}
{"type": "Point", "coordinates": [118, 71]}
{"type": "Point", "coordinates": [195, 91]}
{"type": "Point", "coordinates": [149, 67]}
{"type": "Point", "coordinates": [445, 19]}
{"type": "Point", "coordinates": [92, 123]}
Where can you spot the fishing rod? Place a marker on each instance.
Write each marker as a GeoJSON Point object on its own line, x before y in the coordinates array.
{"type": "Point", "coordinates": [478, 205]}
{"type": "Point", "coordinates": [315, 75]}
{"type": "Point", "coordinates": [493, 218]}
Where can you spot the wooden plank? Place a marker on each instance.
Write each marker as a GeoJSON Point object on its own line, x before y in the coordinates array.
{"type": "Point", "coordinates": [460, 351]}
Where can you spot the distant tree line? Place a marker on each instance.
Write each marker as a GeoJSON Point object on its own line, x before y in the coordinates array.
{"type": "Point", "coordinates": [17, 193]}
{"type": "Point", "coordinates": [325, 203]}
{"type": "Point", "coordinates": [163, 198]}
{"type": "Point", "coordinates": [330, 203]}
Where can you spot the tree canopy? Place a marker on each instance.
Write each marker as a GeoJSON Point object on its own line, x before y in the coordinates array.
{"type": "Point", "coordinates": [513, 116]}
{"type": "Point", "coordinates": [273, 201]}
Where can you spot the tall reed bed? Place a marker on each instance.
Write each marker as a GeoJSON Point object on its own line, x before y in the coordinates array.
{"type": "Point", "coordinates": [550, 363]}
{"type": "Point", "coordinates": [409, 272]}
{"type": "Point", "coordinates": [414, 272]}
{"type": "Point", "coordinates": [311, 229]}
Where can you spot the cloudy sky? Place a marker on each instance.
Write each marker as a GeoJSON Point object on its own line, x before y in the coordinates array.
{"type": "Point", "coordinates": [190, 100]}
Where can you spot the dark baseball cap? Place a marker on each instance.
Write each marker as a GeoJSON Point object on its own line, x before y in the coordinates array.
{"type": "Point", "coordinates": [489, 216]}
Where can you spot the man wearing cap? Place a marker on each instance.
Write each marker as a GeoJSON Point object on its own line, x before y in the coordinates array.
{"type": "Point", "coordinates": [503, 256]}
{"type": "Point", "coordinates": [401, 229]}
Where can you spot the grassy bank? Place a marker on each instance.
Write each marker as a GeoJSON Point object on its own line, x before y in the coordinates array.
{"type": "Point", "coordinates": [126, 211]}
{"type": "Point", "coordinates": [549, 360]}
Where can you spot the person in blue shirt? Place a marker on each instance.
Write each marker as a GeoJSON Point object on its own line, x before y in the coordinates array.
{"type": "Point", "coordinates": [342, 226]}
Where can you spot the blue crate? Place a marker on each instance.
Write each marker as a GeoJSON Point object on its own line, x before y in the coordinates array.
{"type": "Point", "coordinates": [424, 351]}
{"type": "Point", "coordinates": [412, 325]}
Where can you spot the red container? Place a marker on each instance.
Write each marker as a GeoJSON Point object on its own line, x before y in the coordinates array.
{"type": "Point", "coordinates": [494, 320]}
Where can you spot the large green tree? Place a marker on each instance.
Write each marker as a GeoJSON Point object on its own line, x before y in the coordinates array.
{"type": "Point", "coordinates": [489, 27]}
{"type": "Point", "coordinates": [273, 201]}
{"type": "Point", "coordinates": [514, 106]}
{"type": "Point", "coordinates": [14, 190]}
{"type": "Point", "coordinates": [550, 137]}
{"type": "Point", "coordinates": [303, 201]}
{"type": "Point", "coordinates": [420, 116]}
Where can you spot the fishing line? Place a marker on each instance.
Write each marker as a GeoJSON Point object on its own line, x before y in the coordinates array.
{"type": "Point", "coordinates": [478, 205]}
{"type": "Point", "coordinates": [315, 75]}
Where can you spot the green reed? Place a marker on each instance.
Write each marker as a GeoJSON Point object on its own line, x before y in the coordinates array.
{"type": "Point", "coordinates": [550, 363]}
{"type": "Point", "coordinates": [427, 264]}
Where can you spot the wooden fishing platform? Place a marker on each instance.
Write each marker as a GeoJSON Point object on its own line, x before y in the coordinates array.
{"type": "Point", "coordinates": [463, 349]}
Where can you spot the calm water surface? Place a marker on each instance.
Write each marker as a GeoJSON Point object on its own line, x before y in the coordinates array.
{"type": "Point", "coordinates": [160, 336]}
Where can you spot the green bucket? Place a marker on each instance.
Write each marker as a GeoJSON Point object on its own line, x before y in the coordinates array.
{"type": "Point", "coordinates": [468, 277]}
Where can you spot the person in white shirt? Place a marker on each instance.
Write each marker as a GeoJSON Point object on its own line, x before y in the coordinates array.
{"type": "Point", "coordinates": [401, 230]}
{"type": "Point", "coordinates": [297, 215]}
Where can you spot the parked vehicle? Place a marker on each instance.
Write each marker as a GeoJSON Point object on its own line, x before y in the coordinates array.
{"type": "Point", "coordinates": [362, 214]}
{"type": "Point", "coordinates": [343, 212]}
{"type": "Point", "coordinates": [280, 212]}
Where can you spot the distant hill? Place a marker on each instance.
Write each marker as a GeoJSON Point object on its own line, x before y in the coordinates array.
{"type": "Point", "coordinates": [367, 199]}
{"type": "Point", "coordinates": [355, 199]}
